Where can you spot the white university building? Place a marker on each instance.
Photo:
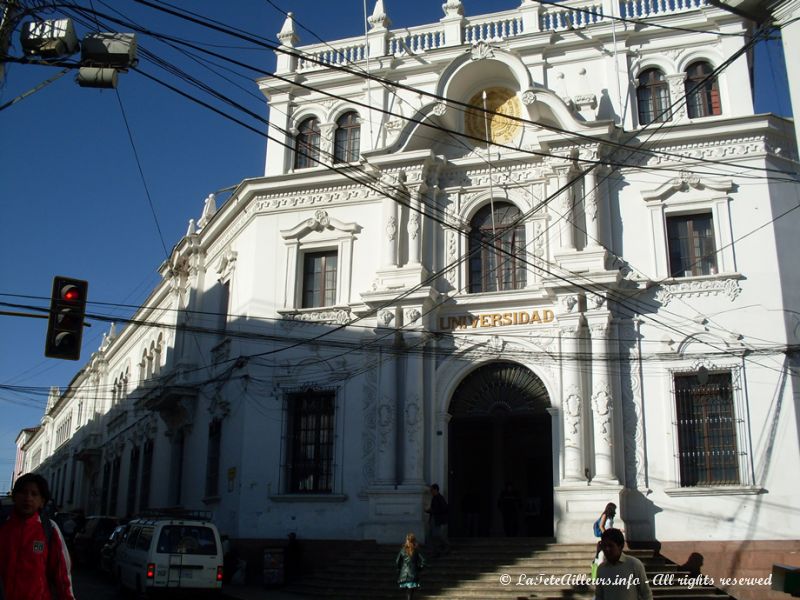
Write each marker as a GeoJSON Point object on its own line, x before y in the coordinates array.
{"type": "Point", "coordinates": [599, 305]}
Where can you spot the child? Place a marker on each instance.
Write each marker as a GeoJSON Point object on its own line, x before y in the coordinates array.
{"type": "Point", "coordinates": [409, 563]}
{"type": "Point", "coordinates": [33, 554]}
{"type": "Point", "coordinates": [606, 521]}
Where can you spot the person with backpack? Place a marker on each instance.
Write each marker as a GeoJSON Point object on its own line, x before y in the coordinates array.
{"type": "Point", "coordinates": [603, 522]}
{"type": "Point", "coordinates": [34, 562]}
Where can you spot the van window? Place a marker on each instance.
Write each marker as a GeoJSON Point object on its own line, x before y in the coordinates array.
{"type": "Point", "coordinates": [131, 541]}
{"type": "Point", "coordinates": [143, 541]}
{"type": "Point", "coordinates": [187, 539]}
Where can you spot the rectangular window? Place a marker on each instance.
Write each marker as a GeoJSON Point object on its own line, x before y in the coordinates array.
{"type": "Point", "coordinates": [106, 486]}
{"type": "Point", "coordinates": [224, 301]}
{"type": "Point", "coordinates": [707, 445]}
{"type": "Point", "coordinates": [133, 475]}
{"type": "Point", "coordinates": [147, 467]}
{"type": "Point", "coordinates": [310, 442]}
{"type": "Point", "coordinates": [114, 493]}
{"type": "Point", "coordinates": [212, 460]}
{"type": "Point", "coordinates": [692, 250]}
{"type": "Point", "coordinates": [319, 279]}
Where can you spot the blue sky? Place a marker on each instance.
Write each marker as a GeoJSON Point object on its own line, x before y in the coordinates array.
{"type": "Point", "coordinates": [73, 202]}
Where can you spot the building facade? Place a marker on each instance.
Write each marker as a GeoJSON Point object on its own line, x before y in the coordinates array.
{"type": "Point", "coordinates": [551, 247]}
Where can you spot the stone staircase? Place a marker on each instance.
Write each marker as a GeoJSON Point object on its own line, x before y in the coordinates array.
{"type": "Point", "coordinates": [488, 569]}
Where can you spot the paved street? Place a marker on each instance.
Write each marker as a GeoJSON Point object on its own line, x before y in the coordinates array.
{"type": "Point", "coordinates": [93, 585]}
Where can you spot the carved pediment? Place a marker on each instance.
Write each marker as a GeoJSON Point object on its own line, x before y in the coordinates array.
{"type": "Point", "coordinates": [321, 221]}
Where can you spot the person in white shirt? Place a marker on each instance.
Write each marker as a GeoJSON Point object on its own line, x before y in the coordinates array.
{"type": "Point", "coordinates": [620, 577]}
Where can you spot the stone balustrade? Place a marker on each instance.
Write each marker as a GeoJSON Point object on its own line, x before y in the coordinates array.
{"type": "Point", "coordinates": [529, 18]}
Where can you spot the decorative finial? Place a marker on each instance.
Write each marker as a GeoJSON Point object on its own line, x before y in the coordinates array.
{"type": "Point", "coordinates": [287, 35]}
{"type": "Point", "coordinates": [209, 210]}
{"type": "Point", "coordinates": [453, 8]}
{"type": "Point", "coordinates": [379, 18]}
{"type": "Point", "coordinates": [192, 229]}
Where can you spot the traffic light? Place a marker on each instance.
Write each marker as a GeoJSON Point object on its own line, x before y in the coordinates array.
{"type": "Point", "coordinates": [65, 325]}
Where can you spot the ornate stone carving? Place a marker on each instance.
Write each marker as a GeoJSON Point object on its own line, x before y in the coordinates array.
{"type": "Point", "coordinates": [368, 435]}
{"type": "Point", "coordinates": [595, 301]}
{"type": "Point", "coordinates": [391, 228]}
{"type": "Point", "coordinates": [413, 225]}
{"type": "Point", "coordinates": [411, 315]}
{"type": "Point", "coordinates": [572, 417]}
{"type": "Point", "coordinates": [413, 418]}
{"type": "Point", "coordinates": [496, 343]}
{"type": "Point", "coordinates": [528, 97]}
{"type": "Point", "coordinates": [601, 406]}
{"type": "Point", "coordinates": [481, 50]}
{"type": "Point", "coordinates": [453, 8]}
{"type": "Point", "coordinates": [439, 109]}
{"type": "Point", "coordinates": [698, 288]}
{"type": "Point", "coordinates": [584, 101]}
{"type": "Point", "coordinates": [569, 303]}
{"type": "Point", "coordinates": [385, 317]}
{"type": "Point", "coordinates": [331, 315]}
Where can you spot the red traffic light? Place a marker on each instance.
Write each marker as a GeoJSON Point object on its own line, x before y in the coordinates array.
{"type": "Point", "coordinates": [65, 324]}
{"type": "Point", "coordinates": [70, 293]}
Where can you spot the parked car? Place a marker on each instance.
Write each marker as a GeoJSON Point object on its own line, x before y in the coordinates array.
{"type": "Point", "coordinates": [108, 553]}
{"type": "Point", "coordinates": [170, 552]}
{"type": "Point", "coordinates": [91, 538]}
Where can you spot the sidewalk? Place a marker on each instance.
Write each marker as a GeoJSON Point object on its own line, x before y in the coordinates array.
{"type": "Point", "coordinates": [256, 592]}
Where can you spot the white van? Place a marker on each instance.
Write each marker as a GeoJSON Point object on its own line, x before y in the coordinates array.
{"type": "Point", "coordinates": [169, 552]}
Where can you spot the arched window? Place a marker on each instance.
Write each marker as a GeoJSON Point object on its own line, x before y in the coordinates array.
{"type": "Point", "coordinates": [306, 149]}
{"type": "Point", "coordinates": [348, 137]}
{"type": "Point", "coordinates": [652, 96]}
{"type": "Point", "coordinates": [702, 94]}
{"type": "Point", "coordinates": [497, 249]}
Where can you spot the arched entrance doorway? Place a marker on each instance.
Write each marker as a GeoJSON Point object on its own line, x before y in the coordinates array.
{"type": "Point", "coordinates": [500, 433]}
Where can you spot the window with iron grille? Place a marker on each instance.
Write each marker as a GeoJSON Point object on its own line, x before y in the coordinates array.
{"type": "Point", "coordinates": [702, 92]}
{"type": "Point", "coordinates": [133, 474]}
{"type": "Point", "coordinates": [106, 487]}
{"type": "Point", "coordinates": [652, 96]}
{"type": "Point", "coordinates": [692, 250]}
{"type": "Point", "coordinates": [348, 138]}
{"type": "Point", "coordinates": [319, 278]}
{"type": "Point", "coordinates": [114, 491]}
{"type": "Point", "coordinates": [306, 150]}
{"type": "Point", "coordinates": [147, 468]}
{"type": "Point", "coordinates": [707, 442]}
{"type": "Point", "coordinates": [310, 442]}
{"type": "Point", "coordinates": [497, 249]}
{"type": "Point", "coordinates": [212, 462]}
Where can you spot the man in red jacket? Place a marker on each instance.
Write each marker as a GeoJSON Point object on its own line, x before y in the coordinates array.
{"type": "Point", "coordinates": [34, 563]}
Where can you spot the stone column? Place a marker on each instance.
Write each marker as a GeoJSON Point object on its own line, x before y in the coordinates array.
{"type": "Point", "coordinates": [390, 255]}
{"type": "Point", "coordinates": [572, 404]}
{"type": "Point", "coordinates": [565, 204]}
{"type": "Point", "coordinates": [602, 402]}
{"type": "Point", "coordinates": [414, 226]}
{"type": "Point", "coordinates": [386, 472]}
{"type": "Point", "coordinates": [414, 412]}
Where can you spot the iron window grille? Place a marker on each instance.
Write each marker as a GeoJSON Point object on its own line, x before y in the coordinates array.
{"type": "Point", "coordinates": [708, 448]}
{"type": "Point", "coordinates": [133, 473]}
{"type": "Point", "coordinates": [147, 468]}
{"type": "Point", "coordinates": [310, 442]}
{"type": "Point", "coordinates": [497, 249]}
{"type": "Point", "coordinates": [692, 250]}
{"type": "Point", "coordinates": [212, 462]}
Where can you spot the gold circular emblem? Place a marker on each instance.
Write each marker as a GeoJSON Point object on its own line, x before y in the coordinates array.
{"type": "Point", "coordinates": [504, 103]}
